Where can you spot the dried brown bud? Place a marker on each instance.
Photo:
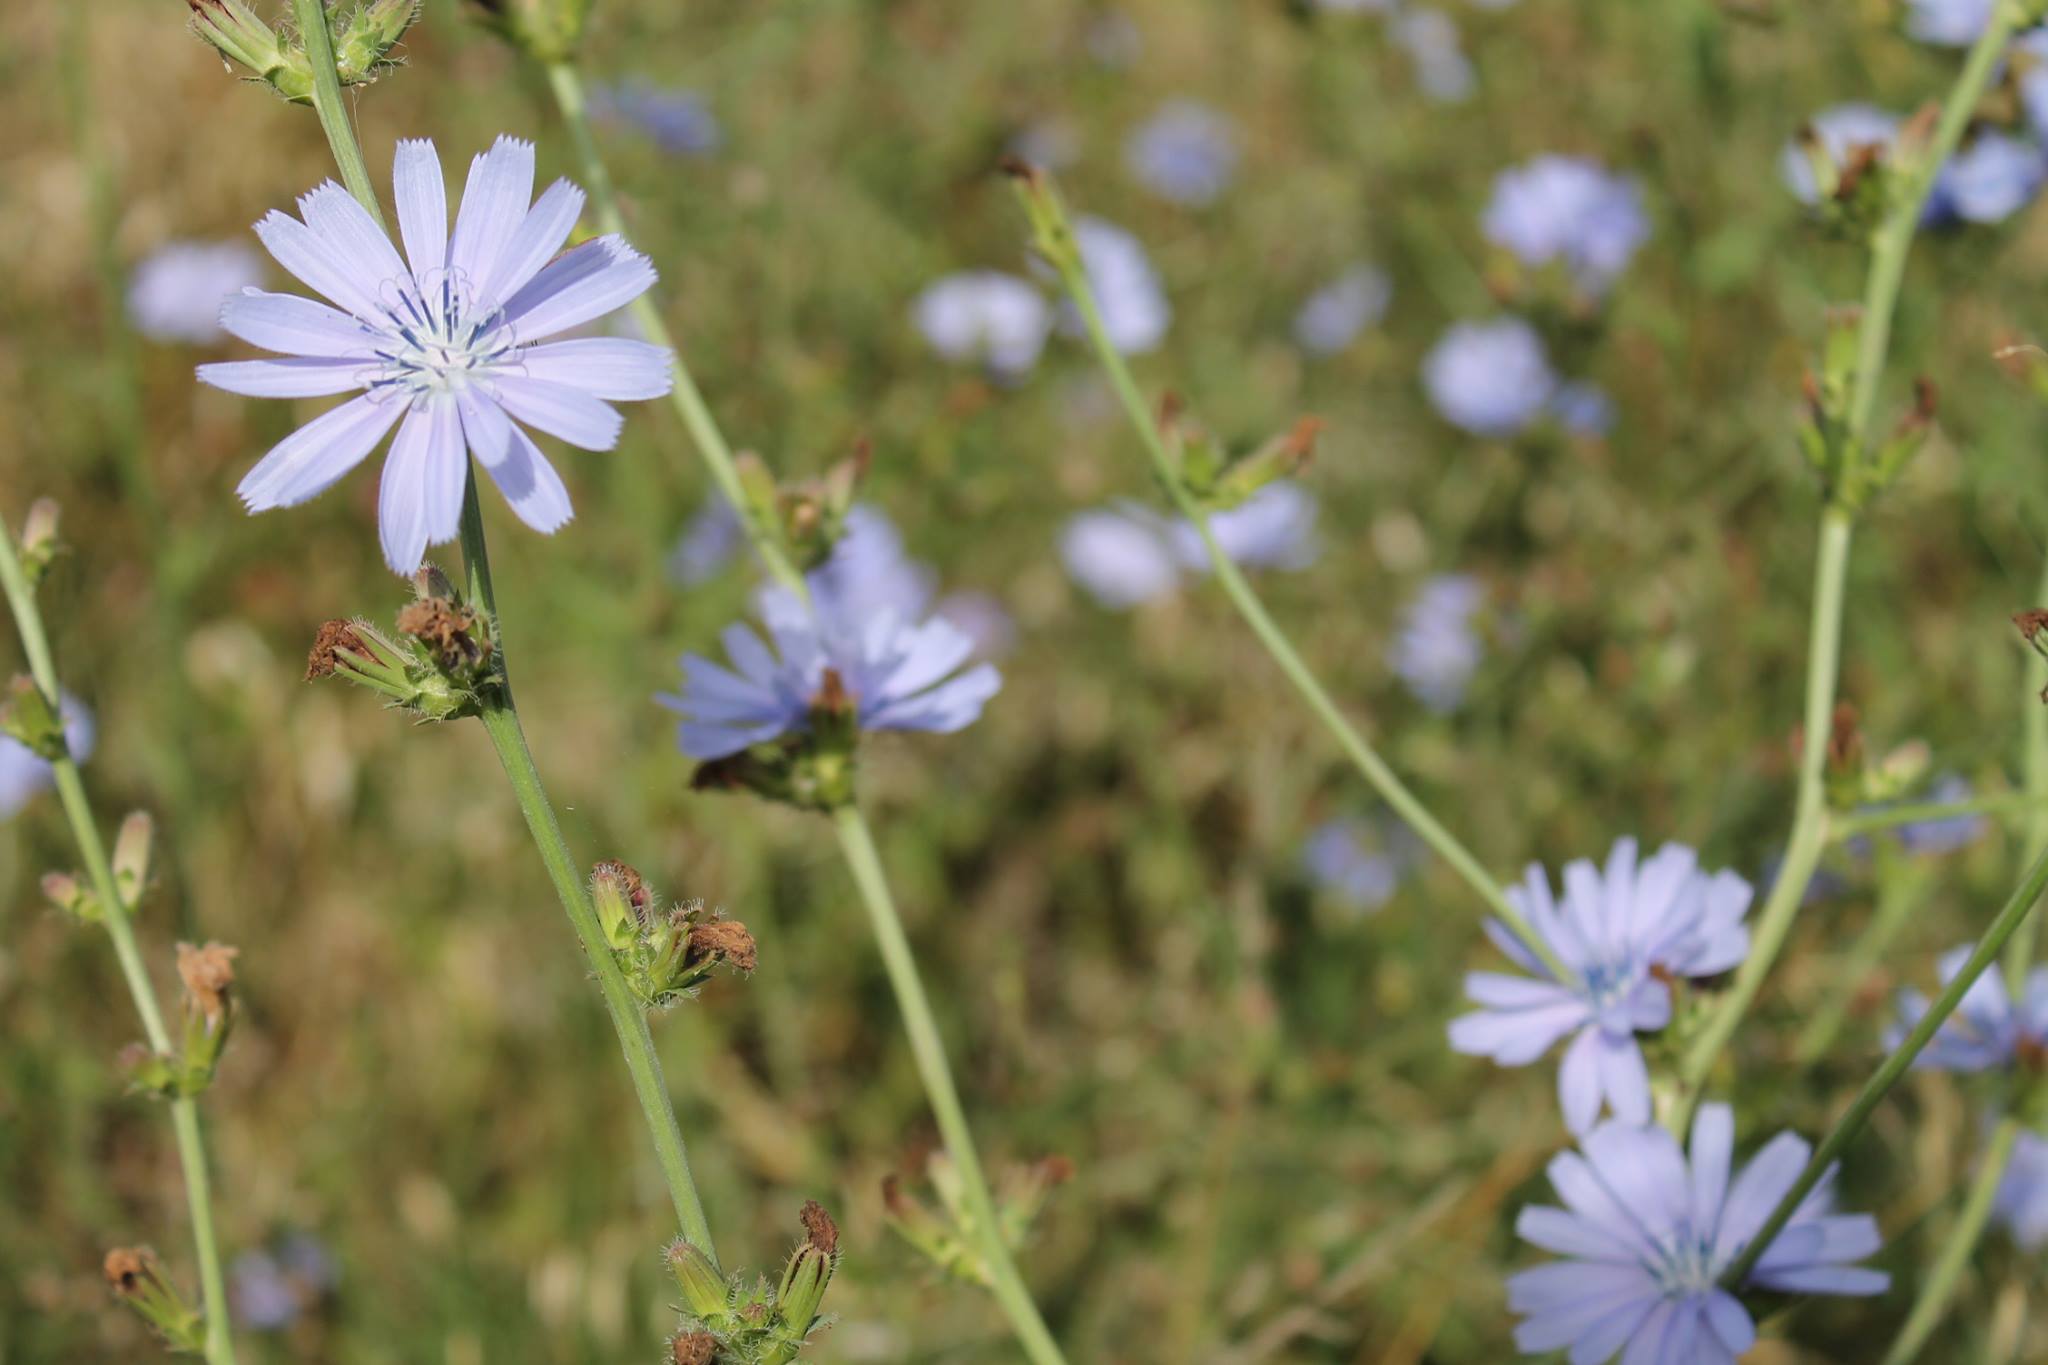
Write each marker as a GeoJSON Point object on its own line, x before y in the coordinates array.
{"type": "Point", "coordinates": [130, 1269]}
{"type": "Point", "coordinates": [334, 635]}
{"type": "Point", "coordinates": [819, 1229]}
{"type": "Point", "coordinates": [208, 972]}
{"type": "Point", "coordinates": [725, 940]}
{"type": "Point", "coordinates": [1017, 168]}
{"type": "Point", "coordinates": [1845, 739]}
{"type": "Point", "coordinates": [2031, 622]}
{"type": "Point", "coordinates": [833, 697]}
{"type": "Point", "coordinates": [1056, 1170]}
{"type": "Point", "coordinates": [694, 1348]}
{"type": "Point", "coordinates": [448, 630]}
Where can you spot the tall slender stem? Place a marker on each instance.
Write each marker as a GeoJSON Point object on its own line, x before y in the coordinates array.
{"type": "Point", "coordinates": [311, 16]}
{"type": "Point", "coordinates": [687, 399]}
{"type": "Point", "coordinates": [930, 1052]}
{"type": "Point", "coordinates": [1848, 826]}
{"type": "Point", "coordinates": [92, 851]}
{"type": "Point", "coordinates": [2019, 957]}
{"type": "Point", "coordinates": [1355, 746]}
{"type": "Point", "coordinates": [1894, 1066]}
{"type": "Point", "coordinates": [1940, 1285]}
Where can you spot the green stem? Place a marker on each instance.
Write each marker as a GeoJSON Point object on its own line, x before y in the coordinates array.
{"type": "Point", "coordinates": [1383, 778]}
{"type": "Point", "coordinates": [629, 1019]}
{"type": "Point", "coordinates": [311, 16]}
{"type": "Point", "coordinates": [2019, 958]}
{"type": "Point", "coordinates": [92, 851]}
{"type": "Point", "coordinates": [1940, 1286]}
{"type": "Point", "coordinates": [687, 399]}
{"type": "Point", "coordinates": [1851, 1123]}
{"type": "Point", "coordinates": [925, 1045]}
{"type": "Point", "coordinates": [1848, 826]}
{"type": "Point", "coordinates": [1899, 891]}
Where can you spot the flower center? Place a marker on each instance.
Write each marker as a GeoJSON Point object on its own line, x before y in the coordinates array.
{"type": "Point", "coordinates": [1686, 1266]}
{"type": "Point", "coordinates": [437, 337]}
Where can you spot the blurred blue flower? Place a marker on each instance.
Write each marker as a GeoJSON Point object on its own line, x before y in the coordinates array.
{"type": "Point", "coordinates": [1187, 153]}
{"type": "Point", "coordinates": [1437, 647]}
{"type": "Point", "coordinates": [1648, 1235]}
{"type": "Point", "coordinates": [1134, 307]}
{"type": "Point", "coordinates": [1988, 1030]}
{"type": "Point", "coordinates": [2030, 74]}
{"type": "Point", "coordinates": [1841, 131]}
{"type": "Point", "coordinates": [713, 536]}
{"type": "Point", "coordinates": [985, 317]}
{"type": "Point", "coordinates": [869, 573]}
{"type": "Point", "coordinates": [899, 675]}
{"type": "Point", "coordinates": [1442, 71]}
{"type": "Point", "coordinates": [271, 1290]}
{"type": "Point", "coordinates": [1568, 210]}
{"type": "Point", "coordinates": [679, 121]}
{"type": "Point", "coordinates": [983, 619]}
{"type": "Point", "coordinates": [1625, 933]}
{"type": "Point", "coordinates": [1583, 409]}
{"type": "Point", "coordinates": [1949, 835]}
{"type": "Point", "coordinates": [1275, 528]}
{"type": "Point", "coordinates": [443, 347]}
{"type": "Point", "coordinates": [2022, 1199]}
{"type": "Point", "coordinates": [1359, 864]}
{"type": "Point", "coordinates": [24, 773]}
{"type": "Point", "coordinates": [1122, 555]}
{"type": "Point", "coordinates": [1988, 181]}
{"type": "Point", "coordinates": [177, 290]}
{"type": "Point", "coordinates": [1335, 314]}
{"type": "Point", "coordinates": [1490, 378]}
{"type": "Point", "coordinates": [1949, 23]}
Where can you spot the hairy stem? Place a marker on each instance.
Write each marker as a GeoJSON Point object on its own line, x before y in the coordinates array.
{"type": "Point", "coordinates": [311, 16]}
{"type": "Point", "coordinates": [1940, 1285]}
{"type": "Point", "coordinates": [937, 1075]}
{"type": "Point", "coordinates": [92, 851]}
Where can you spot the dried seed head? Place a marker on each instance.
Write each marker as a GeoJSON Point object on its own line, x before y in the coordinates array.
{"type": "Point", "coordinates": [819, 1229]}
{"type": "Point", "coordinates": [129, 1270]}
{"type": "Point", "coordinates": [208, 972]}
{"type": "Point", "coordinates": [447, 629]}
{"type": "Point", "coordinates": [334, 635]}
{"type": "Point", "coordinates": [2031, 623]}
{"type": "Point", "coordinates": [694, 1348]}
{"type": "Point", "coordinates": [722, 940]}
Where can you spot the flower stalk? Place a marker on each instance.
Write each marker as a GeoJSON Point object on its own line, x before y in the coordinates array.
{"type": "Point", "coordinates": [1940, 1285]}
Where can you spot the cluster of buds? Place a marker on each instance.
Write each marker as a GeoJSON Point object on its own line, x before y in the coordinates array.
{"type": "Point", "coordinates": [1216, 479]}
{"type": "Point", "coordinates": [545, 30]}
{"type": "Point", "coordinates": [728, 1322]}
{"type": "Point", "coordinates": [1857, 192]}
{"type": "Point", "coordinates": [39, 545]}
{"type": "Point", "coordinates": [208, 1013]}
{"type": "Point", "coordinates": [362, 42]}
{"type": "Point", "coordinates": [946, 1235]}
{"type": "Point", "coordinates": [1856, 777]}
{"type": "Point", "coordinates": [441, 663]}
{"type": "Point", "coordinates": [1850, 470]}
{"type": "Point", "coordinates": [813, 770]}
{"type": "Point", "coordinates": [805, 518]}
{"type": "Point", "coordinates": [131, 866]}
{"type": "Point", "coordinates": [137, 1279]}
{"type": "Point", "coordinates": [665, 955]}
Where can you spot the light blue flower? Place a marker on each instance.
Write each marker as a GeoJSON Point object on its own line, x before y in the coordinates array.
{"type": "Point", "coordinates": [2022, 1199]}
{"type": "Point", "coordinates": [1648, 1235]}
{"type": "Point", "coordinates": [1948, 23]}
{"type": "Point", "coordinates": [1134, 308]}
{"type": "Point", "coordinates": [708, 543]}
{"type": "Point", "coordinates": [1442, 71]}
{"type": "Point", "coordinates": [1122, 555]}
{"type": "Point", "coordinates": [985, 317]}
{"type": "Point", "coordinates": [271, 1291]}
{"type": "Point", "coordinates": [2030, 68]}
{"type": "Point", "coordinates": [177, 290]}
{"type": "Point", "coordinates": [1988, 1030]}
{"type": "Point", "coordinates": [679, 121]}
{"type": "Point", "coordinates": [900, 676]}
{"type": "Point", "coordinates": [869, 573]}
{"type": "Point", "coordinates": [1572, 211]}
{"type": "Point", "coordinates": [1624, 933]}
{"type": "Point", "coordinates": [982, 618]}
{"type": "Point", "coordinates": [1357, 863]}
{"type": "Point", "coordinates": [1187, 153]}
{"type": "Point", "coordinates": [1950, 834]}
{"type": "Point", "coordinates": [1988, 181]}
{"type": "Point", "coordinates": [1583, 409]}
{"type": "Point", "coordinates": [1841, 130]}
{"type": "Point", "coordinates": [444, 348]}
{"type": "Point", "coordinates": [1490, 378]}
{"type": "Point", "coordinates": [1437, 648]}
{"type": "Point", "coordinates": [1335, 314]}
{"type": "Point", "coordinates": [1274, 528]}
{"type": "Point", "coordinates": [24, 773]}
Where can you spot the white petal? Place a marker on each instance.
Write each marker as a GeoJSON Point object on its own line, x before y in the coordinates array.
{"type": "Point", "coordinates": [493, 204]}
{"type": "Point", "coordinates": [294, 378]}
{"type": "Point", "coordinates": [540, 235]}
{"type": "Point", "coordinates": [561, 411]}
{"type": "Point", "coordinates": [422, 205]}
{"type": "Point", "coordinates": [581, 284]}
{"type": "Point", "coordinates": [313, 457]}
{"type": "Point", "coordinates": [292, 325]}
{"type": "Point", "coordinates": [603, 367]}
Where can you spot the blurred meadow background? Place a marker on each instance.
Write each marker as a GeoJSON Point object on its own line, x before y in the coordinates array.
{"type": "Point", "coordinates": [1172, 938]}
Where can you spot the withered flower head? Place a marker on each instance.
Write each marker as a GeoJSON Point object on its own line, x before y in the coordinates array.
{"type": "Point", "coordinates": [725, 940]}
{"type": "Point", "coordinates": [334, 635]}
{"type": "Point", "coordinates": [448, 630]}
{"type": "Point", "coordinates": [694, 1348]}
{"type": "Point", "coordinates": [819, 1229]}
{"type": "Point", "coordinates": [129, 1269]}
{"type": "Point", "coordinates": [208, 972]}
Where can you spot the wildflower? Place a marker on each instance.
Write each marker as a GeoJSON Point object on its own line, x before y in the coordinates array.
{"type": "Point", "coordinates": [1186, 153]}
{"type": "Point", "coordinates": [447, 344]}
{"type": "Point", "coordinates": [707, 544]}
{"type": "Point", "coordinates": [679, 122]}
{"type": "Point", "coordinates": [1841, 132]}
{"type": "Point", "coordinates": [1626, 934]}
{"type": "Point", "coordinates": [1122, 555]}
{"type": "Point", "coordinates": [869, 571]}
{"type": "Point", "coordinates": [1582, 409]}
{"type": "Point", "coordinates": [1490, 378]}
{"type": "Point", "coordinates": [1993, 178]}
{"type": "Point", "coordinates": [1332, 317]}
{"type": "Point", "coordinates": [1989, 1030]}
{"type": "Point", "coordinates": [1275, 528]}
{"type": "Point", "coordinates": [1649, 1234]}
{"type": "Point", "coordinates": [1357, 864]}
{"type": "Point", "coordinates": [1134, 308]}
{"type": "Point", "coordinates": [24, 773]}
{"type": "Point", "coordinates": [1437, 650]}
{"type": "Point", "coordinates": [983, 619]}
{"type": "Point", "coordinates": [137, 1278]}
{"type": "Point", "coordinates": [270, 1289]}
{"type": "Point", "coordinates": [985, 316]}
{"type": "Point", "coordinates": [2022, 1199]}
{"type": "Point", "coordinates": [1442, 70]}
{"type": "Point", "coordinates": [1948, 23]}
{"type": "Point", "coordinates": [176, 292]}
{"type": "Point", "coordinates": [894, 675]}
{"type": "Point", "coordinates": [1572, 211]}
{"type": "Point", "coordinates": [1950, 833]}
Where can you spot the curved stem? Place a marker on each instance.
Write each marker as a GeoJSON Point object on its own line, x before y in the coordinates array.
{"type": "Point", "coordinates": [1851, 1123]}
{"type": "Point", "coordinates": [687, 399]}
{"type": "Point", "coordinates": [1940, 1286]}
{"type": "Point", "coordinates": [1849, 825]}
{"type": "Point", "coordinates": [92, 851]}
{"type": "Point", "coordinates": [925, 1045]}
{"type": "Point", "coordinates": [2019, 957]}
{"type": "Point", "coordinates": [311, 16]}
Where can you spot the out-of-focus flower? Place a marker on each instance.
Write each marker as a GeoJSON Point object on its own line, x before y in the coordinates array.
{"type": "Point", "coordinates": [1442, 70]}
{"type": "Point", "coordinates": [177, 290]}
{"type": "Point", "coordinates": [1572, 211]}
{"type": "Point", "coordinates": [1649, 1234]}
{"type": "Point", "coordinates": [2030, 69]}
{"type": "Point", "coordinates": [1122, 555]}
{"type": "Point", "coordinates": [1134, 307]}
{"type": "Point", "coordinates": [678, 121]}
{"type": "Point", "coordinates": [1583, 409]}
{"type": "Point", "coordinates": [1988, 181]}
{"type": "Point", "coordinates": [983, 619]}
{"type": "Point", "coordinates": [2022, 1199]}
{"type": "Point", "coordinates": [707, 544]}
{"type": "Point", "coordinates": [1490, 378]}
{"type": "Point", "coordinates": [1950, 834]}
{"type": "Point", "coordinates": [1626, 933]}
{"type": "Point", "coordinates": [446, 343]}
{"type": "Point", "coordinates": [270, 1290]}
{"type": "Point", "coordinates": [1187, 152]}
{"type": "Point", "coordinates": [1437, 648]}
{"type": "Point", "coordinates": [870, 573]}
{"type": "Point", "coordinates": [1357, 863]}
{"type": "Point", "coordinates": [1841, 131]}
{"type": "Point", "coordinates": [1988, 1029]}
{"type": "Point", "coordinates": [985, 317]}
{"type": "Point", "coordinates": [1949, 23]}
{"type": "Point", "coordinates": [1332, 317]}
{"type": "Point", "coordinates": [896, 675]}
{"type": "Point", "coordinates": [1275, 528]}
{"type": "Point", "coordinates": [24, 773]}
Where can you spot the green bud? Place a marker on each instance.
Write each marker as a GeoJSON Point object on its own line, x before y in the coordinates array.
{"type": "Point", "coordinates": [622, 901]}
{"type": "Point", "coordinates": [808, 1274]}
{"type": "Point", "coordinates": [29, 716]}
{"type": "Point", "coordinates": [706, 1294]}
{"type": "Point", "coordinates": [545, 30]}
{"type": "Point", "coordinates": [138, 1280]}
{"type": "Point", "coordinates": [362, 43]}
{"type": "Point", "coordinates": [1898, 772]}
{"type": "Point", "coordinates": [152, 1073]}
{"type": "Point", "coordinates": [1281, 457]}
{"type": "Point", "coordinates": [64, 891]}
{"type": "Point", "coordinates": [39, 542]}
{"type": "Point", "coordinates": [1051, 235]}
{"type": "Point", "coordinates": [131, 858]}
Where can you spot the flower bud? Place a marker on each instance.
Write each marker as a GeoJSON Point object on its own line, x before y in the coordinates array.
{"type": "Point", "coordinates": [64, 891]}
{"type": "Point", "coordinates": [39, 542]}
{"type": "Point", "coordinates": [622, 901]}
{"type": "Point", "coordinates": [137, 1279]}
{"type": "Point", "coordinates": [809, 1272]}
{"type": "Point", "coordinates": [209, 975]}
{"type": "Point", "coordinates": [706, 1293]}
{"type": "Point", "coordinates": [131, 858]}
{"type": "Point", "coordinates": [1281, 457]}
{"type": "Point", "coordinates": [545, 30]}
{"type": "Point", "coordinates": [1051, 234]}
{"type": "Point", "coordinates": [30, 717]}
{"type": "Point", "coordinates": [362, 43]}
